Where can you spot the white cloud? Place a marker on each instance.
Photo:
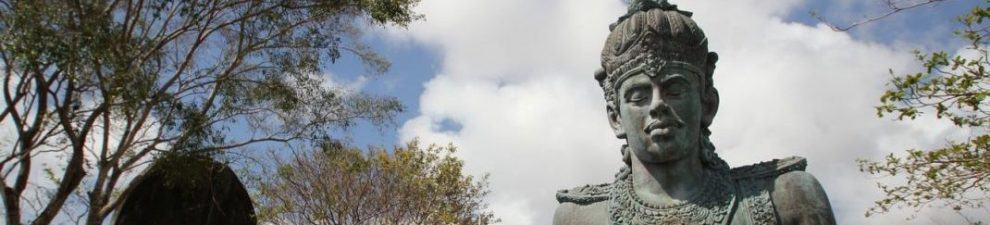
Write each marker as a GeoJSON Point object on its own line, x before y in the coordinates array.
{"type": "Point", "coordinates": [340, 86]}
{"type": "Point", "coordinates": [516, 76]}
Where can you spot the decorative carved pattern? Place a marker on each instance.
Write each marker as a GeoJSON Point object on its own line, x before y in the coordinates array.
{"type": "Point", "coordinates": [585, 194]}
{"type": "Point", "coordinates": [756, 196]}
{"type": "Point", "coordinates": [755, 182]}
{"type": "Point", "coordinates": [649, 53]}
{"type": "Point", "coordinates": [742, 188]}
{"type": "Point", "coordinates": [646, 5]}
{"type": "Point", "coordinates": [710, 206]}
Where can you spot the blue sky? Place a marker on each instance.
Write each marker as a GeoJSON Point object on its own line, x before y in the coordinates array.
{"type": "Point", "coordinates": [510, 83]}
{"type": "Point", "coordinates": [412, 65]}
{"type": "Point", "coordinates": [927, 26]}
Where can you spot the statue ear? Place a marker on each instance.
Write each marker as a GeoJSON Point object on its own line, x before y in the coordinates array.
{"type": "Point", "coordinates": [711, 95]}
{"type": "Point", "coordinates": [711, 107]}
{"type": "Point", "coordinates": [615, 122]}
{"type": "Point", "coordinates": [710, 61]}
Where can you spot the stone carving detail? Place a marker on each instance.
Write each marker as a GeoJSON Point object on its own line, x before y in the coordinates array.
{"type": "Point", "coordinates": [585, 194]}
{"type": "Point", "coordinates": [760, 207]}
{"type": "Point", "coordinates": [656, 74]}
{"type": "Point", "coordinates": [707, 207]}
{"type": "Point", "coordinates": [722, 195]}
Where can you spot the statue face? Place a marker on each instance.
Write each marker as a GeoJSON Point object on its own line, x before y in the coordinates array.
{"type": "Point", "coordinates": [660, 116]}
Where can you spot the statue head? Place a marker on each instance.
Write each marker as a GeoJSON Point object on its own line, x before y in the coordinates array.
{"type": "Point", "coordinates": [657, 77]}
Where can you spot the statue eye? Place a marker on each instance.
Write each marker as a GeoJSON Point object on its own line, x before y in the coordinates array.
{"type": "Point", "coordinates": [638, 95]}
{"type": "Point", "coordinates": [675, 88]}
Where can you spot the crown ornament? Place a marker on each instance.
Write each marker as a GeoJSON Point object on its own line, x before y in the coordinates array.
{"type": "Point", "coordinates": [636, 6]}
{"type": "Point", "coordinates": [666, 38]}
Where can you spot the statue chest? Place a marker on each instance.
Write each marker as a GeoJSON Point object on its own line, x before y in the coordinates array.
{"type": "Point", "coordinates": [720, 202]}
{"type": "Point", "coordinates": [741, 197]}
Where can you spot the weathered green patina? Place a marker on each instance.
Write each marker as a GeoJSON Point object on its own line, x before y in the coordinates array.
{"type": "Point", "coordinates": [657, 78]}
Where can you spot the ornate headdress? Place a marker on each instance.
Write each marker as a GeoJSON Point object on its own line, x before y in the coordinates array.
{"type": "Point", "coordinates": [651, 36]}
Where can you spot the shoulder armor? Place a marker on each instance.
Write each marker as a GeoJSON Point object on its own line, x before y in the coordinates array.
{"type": "Point", "coordinates": [585, 194]}
{"type": "Point", "coordinates": [771, 168]}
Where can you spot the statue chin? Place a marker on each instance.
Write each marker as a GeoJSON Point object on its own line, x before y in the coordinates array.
{"type": "Point", "coordinates": [660, 153]}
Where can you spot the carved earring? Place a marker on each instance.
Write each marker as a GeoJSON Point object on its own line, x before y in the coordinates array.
{"type": "Point", "coordinates": [625, 155]}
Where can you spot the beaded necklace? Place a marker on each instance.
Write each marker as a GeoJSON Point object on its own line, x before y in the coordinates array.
{"type": "Point", "coordinates": [709, 206]}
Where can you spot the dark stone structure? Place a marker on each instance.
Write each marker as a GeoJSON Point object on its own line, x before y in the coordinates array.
{"type": "Point", "coordinates": [187, 191]}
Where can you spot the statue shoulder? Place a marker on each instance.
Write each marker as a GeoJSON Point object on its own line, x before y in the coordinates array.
{"type": "Point", "coordinates": [795, 195]}
{"type": "Point", "coordinates": [584, 194]}
{"type": "Point", "coordinates": [799, 198]}
{"type": "Point", "coordinates": [769, 169]}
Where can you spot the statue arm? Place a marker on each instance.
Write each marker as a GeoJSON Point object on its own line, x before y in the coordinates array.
{"type": "Point", "coordinates": [800, 200]}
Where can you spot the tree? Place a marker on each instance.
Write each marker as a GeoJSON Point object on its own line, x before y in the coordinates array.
{"type": "Point", "coordinates": [104, 85]}
{"type": "Point", "coordinates": [338, 185]}
{"type": "Point", "coordinates": [953, 88]}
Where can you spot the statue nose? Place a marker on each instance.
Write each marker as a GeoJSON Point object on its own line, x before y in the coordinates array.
{"type": "Point", "coordinates": [658, 106]}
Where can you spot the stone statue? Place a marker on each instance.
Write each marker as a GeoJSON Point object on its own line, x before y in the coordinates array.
{"type": "Point", "coordinates": [657, 78]}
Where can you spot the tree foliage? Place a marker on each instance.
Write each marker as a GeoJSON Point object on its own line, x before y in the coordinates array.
{"type": "Point", "coordinates": [338, 185]}
{"type": "Point", "coordinates": [105, 84]}
{"type": "Point", "coordinates": [953, 88]}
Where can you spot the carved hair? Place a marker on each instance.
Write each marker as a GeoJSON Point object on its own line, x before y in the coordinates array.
{"type": "Point", "coordinates": [652, 34]}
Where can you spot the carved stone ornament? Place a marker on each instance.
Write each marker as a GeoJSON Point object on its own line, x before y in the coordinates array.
{"type": "Point", "coordinates": [745, 188]}
{"type": "Point", "coordinates": [707, 207]}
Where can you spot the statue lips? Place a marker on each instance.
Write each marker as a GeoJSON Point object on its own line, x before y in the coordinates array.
{"type": "Point", "coordinates": [663, 130]}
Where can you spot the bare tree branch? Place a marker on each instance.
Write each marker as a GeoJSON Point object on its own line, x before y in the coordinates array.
{"type": "Point", "coordinates": [893, 7]}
